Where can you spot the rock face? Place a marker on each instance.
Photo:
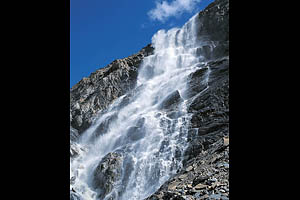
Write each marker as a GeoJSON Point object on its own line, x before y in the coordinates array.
{"type": "Point", "coordinates": [210, 120]}
{"type": "Point", "coordinates": [214, 28]}
{"type": "Point", "coordinates": [96, 92]}
{"type": "Point", "coordinates": [205, 171]}
{"type": "Point", "coordinates": [108, 173]}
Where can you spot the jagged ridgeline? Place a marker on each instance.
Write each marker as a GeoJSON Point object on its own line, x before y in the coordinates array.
{"type": "Point", "coordinates": [155, 125]}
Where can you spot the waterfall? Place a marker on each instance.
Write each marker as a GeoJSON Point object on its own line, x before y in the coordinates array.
{"type": "Point", "coordinates": [147, 127]}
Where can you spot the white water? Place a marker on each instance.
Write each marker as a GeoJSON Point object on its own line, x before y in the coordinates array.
{"type": "Point", "coordinates": [156, 153]}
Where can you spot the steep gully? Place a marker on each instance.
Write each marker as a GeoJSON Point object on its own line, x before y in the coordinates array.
{"type": "Point", "coordinates": [151, 125]}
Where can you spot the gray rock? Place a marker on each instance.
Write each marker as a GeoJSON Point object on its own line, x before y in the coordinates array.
{"type": "Point", "coordinates": [195, 82]}
{"type": "Point", "coordinates": [73, 134]}
{"type": "Point", "coordinates": [104, 126]}
{"type": "Point", "coordinates": [171, 100]}
{"type": "Point", "coordinates": [74, 196]}
{"type": "Point", "coordinates": [108, 173]}
{"type": "Point", "coordinates": [93, 94]}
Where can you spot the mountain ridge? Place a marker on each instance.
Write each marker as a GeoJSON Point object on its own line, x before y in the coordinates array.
{"type": "Point", "coordinates": [94, 93]}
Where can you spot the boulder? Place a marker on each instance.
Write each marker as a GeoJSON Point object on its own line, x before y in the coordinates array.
{"type": "Point", "coordinates": [171, 100]}
{"type": "Point", "coordinates": [107, 173]}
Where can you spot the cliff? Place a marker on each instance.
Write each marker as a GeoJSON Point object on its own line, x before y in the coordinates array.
{"type": "Point", "coordinates": [205, 171]}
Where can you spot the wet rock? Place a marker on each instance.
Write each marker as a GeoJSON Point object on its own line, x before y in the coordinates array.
{"type": "Point", "coordinates": [135, 133]}
{"type": "Point", "coordinates": [171, 100]}
{"type": "Point", "coordinates": [214, 26]}
{"type": "Point", "coordinates": [104, 126]}
{"type": "Point", "coordinates": [74, 196]}
{"type": "Point", "coordinates": [108, 173]}
{"type": "Point", "coordinates": [196, 82]}
{"type": "Point", "coordinates": [174, 114]}
{"type": "Point", "coordinates": [73, 134]}
{"type": "Point", "coordinates": [75, 150]}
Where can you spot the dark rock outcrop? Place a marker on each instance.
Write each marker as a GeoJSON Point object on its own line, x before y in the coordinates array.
{"type": "Point", "coordinates": [171, 100]}
{"type": "Point", "coordinates": [101, 88]}
{"type": "Point", "coordinates": [195, 82]}
{"type": "Point", "coordinates": [108, 173]}
{"type": "Point", "coordinates": [213, 24]}
{"type": "Point", "coordinates": [136, 132]}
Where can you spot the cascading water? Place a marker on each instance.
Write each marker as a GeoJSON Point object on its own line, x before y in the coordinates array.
{"type": "Point", "coordinates": [149, 130]}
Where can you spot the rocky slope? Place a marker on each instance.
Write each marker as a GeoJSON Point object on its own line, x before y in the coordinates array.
{"type": "Point", "coordinates": [101, 88]}
{"type": "Point", "coordinates": [205, 173]}
{"type": "Point", "coordinates": [206, 176]}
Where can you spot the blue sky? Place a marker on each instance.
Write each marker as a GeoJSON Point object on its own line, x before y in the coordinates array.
{"type": "Point", "coordinates": [104, 30]}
